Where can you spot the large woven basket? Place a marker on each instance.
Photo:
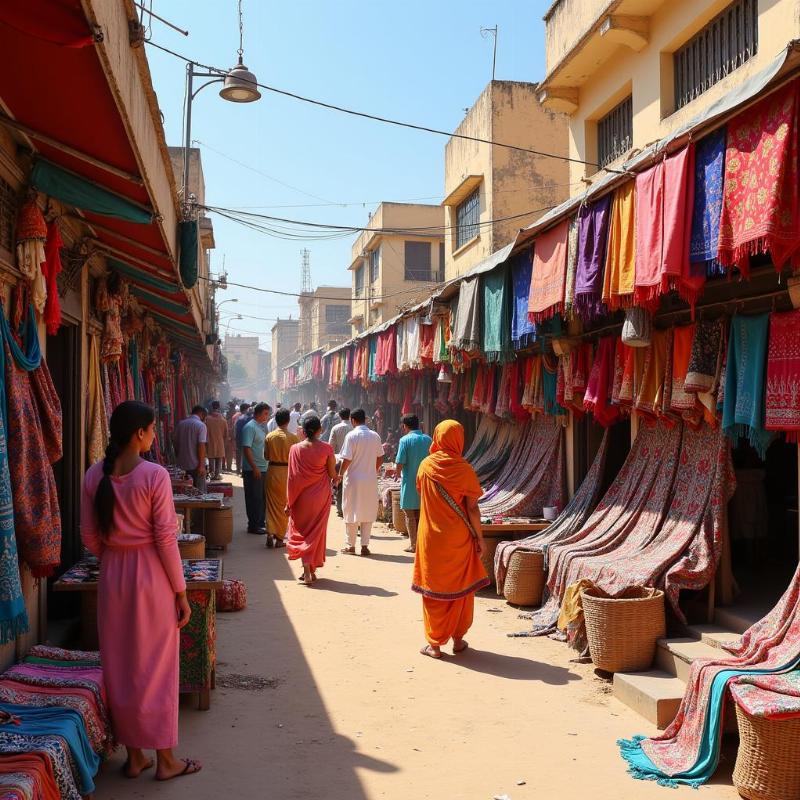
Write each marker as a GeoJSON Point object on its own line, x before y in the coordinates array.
{"type": "Point", "coordinates": [623, 631]}
{"type": "Point", "coordinates": [525, 577]}
{"type": "Point", "coordinates": [192, 545]}
{"type": "Point", "coordinates": [487, 559]}
{"type": "Point", "coordinates": [768, 761]}
{"type": "Point", "coordinates": [398, 518]}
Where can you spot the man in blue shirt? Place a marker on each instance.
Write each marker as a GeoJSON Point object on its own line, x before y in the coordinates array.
{"type": "Point", "coordinates": [254, 469]}
{"type": "Point", "coordinates": [245, 415]}
{"type": "Point", "coordinates": [414, 447]}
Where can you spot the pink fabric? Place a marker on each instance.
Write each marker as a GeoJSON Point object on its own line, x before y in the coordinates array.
{"type": "Point", "coordinates": [601, 382]}
{"type": "Point", "coordinates": [140, 572]}
{"type": "Point", "coordinates": [308, 496]}
{"type": "Point", "coordinates": [649, 214]}
{"type": "Point", "coordinates": [546, 297]}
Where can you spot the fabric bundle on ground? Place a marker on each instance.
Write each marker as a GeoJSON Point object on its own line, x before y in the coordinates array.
{"type": "Point", "coordinates": [523, 331]}
{"type": "Point", "coordinates": [593, 222]}
{"type": "Point", "coordinates": [466, 321]}
{"type": "Point", "coordinates": [549, 273]}
{"type": "Point", "coordinates": [761, 196]}
{"type": "Point", "coordinates": [745, 372]}
{"type": "Point", "coordinates": [497, 313]}
{"type": "Point", "coordinates": [569, 520]}
{"type": "Point", "coordinates": [709, 165]}
{"type": "Point", "coordinates": [783, 374]}
{"type": "Point", "coordinates": [620, 270]}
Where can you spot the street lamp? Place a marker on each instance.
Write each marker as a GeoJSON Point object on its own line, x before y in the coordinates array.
{"type": "Point", "coordinates": [228, 325]}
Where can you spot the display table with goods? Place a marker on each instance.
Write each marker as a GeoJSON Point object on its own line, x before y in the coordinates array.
{"type": "Point", "coordinates": [193, 500]}
{"type": "Point", "coordinates": [198, 638]}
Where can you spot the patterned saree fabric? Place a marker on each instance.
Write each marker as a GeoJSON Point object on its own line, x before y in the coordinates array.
{"type": "Point", "coordinates": [549, 273]}
{"type": "Point", "coordinates": [783, 374]}
{"type": "Point", "coordinates": [768, 696]}
{"type": "Point", "coordinates": [497, 308]}
{"type": "Point", "coordinates": [597, 399]}
{"type": "Point", "coordinates": [467, 318]}
{"type": "Point", "coordinates": [620, 269]}
{"type": "Point", "coordinates": [709, 165]}
{"type": "Point", "coordinates": [761, 196]}
{"type": "Point", "coordinates": [593, 223]}
{"type": "Point", "coordinates": [523, 331]}
{"type": "Point", "coordinates": [572, 267]}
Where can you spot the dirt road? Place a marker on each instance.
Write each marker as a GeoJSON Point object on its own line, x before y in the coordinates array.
{"type": "Point", "coordinates": [351, 711]}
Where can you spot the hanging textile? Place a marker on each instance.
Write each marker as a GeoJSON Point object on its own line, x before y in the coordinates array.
{"type": "Point", "coordinates": [620, 270]}
{"type": "Point", "coordinates": [650, 391]}
{"type": "Point", "coordinates": [497, 303]}
{"type": "Point", "coordinates": [593, 220]}
{"type": "Point", "coordinates": [467, 317]}
{"type": "Point", "coordinates": [441, 339]}
{"type": "Point", "coordinates": [96, 419]}
{"type": "Point", "coordinates": [30, 416]}
{"type": "Point", "coordinates": [783, 374]}
{"type": "Point", "coordinates": [412, 341]}
{"type": "Point", "coordinates": [188, 238]}
{"type": "Point", "coordinates": [31, 235]}
{"type": "Point", "coordinates": [523, 331]}
{"type": "Point", "coordinates": [601, 380]}
{"type": "Point", "coordinates": [427, 333]}
{"type": "Point", "coordinates": [743, 406]}
{"type": "Point", "coordinates": [549, 273]}
{"type": "Point", "coordinates": [649, 217]}
{"type": "Point", "coordinates": [681, 401]}
{"type": "Point", "coordinates": [572, 267]}
{"type": "Point", "coordinates": [549, 383]}
{"type": "Point", "coordinates": [705, 362]}
{"type": "Point", "coordinates": [52, 265]}
{"type": "Point", "coordinates": [709, 165]}
{"type": "Point", "coordinates": [760, 205]}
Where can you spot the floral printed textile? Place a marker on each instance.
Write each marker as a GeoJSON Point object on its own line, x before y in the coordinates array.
{"type": "Point", "coordinates": [198, 643]}
{"type": "Point", "coordinates": [761, 198]}
{"type": "Point", "coordinates": [768, 696]}
{"type": "Point", "coordinates": [55, 750]}
{"type": "Point", "coordinates": [783, 374]}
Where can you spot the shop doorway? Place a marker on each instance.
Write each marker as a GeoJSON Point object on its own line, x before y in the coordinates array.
{"type": "Point", "coordinates": [587, 438]}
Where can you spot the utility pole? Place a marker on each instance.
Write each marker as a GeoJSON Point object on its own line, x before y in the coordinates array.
{"type": "Point", "coordinates": [491, 32]}
{"type": "Point", "coordinates": [305, 274]}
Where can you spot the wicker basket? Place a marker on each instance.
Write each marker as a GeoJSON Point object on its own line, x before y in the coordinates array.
{"type": "Point", "coordinates": [525, 578]}
{"type": "Point", "coordinates": [487, 559]}
{"type": "Point", "coordinates": [219, 527]}
{"type": "Point", "coordinates": [768, 761]}
{"type": "Point", "coordinates": [193, 545]}
{"type": "Point", "coordinates": [398, 518]}
{"type": "Point", "coordinates": [623, 631]}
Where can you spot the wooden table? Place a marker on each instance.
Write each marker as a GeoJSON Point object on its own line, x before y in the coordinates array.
{"type": "Point", "coordinates": [514, 529]}
{"type": "Point", "coordinates": [188, 505]}
{"type": "Point", "coordinates": [198, 654]}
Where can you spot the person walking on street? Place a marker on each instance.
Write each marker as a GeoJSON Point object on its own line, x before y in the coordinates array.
{"type": "Point", "coordinates": [413, 449]}
{"type": "Point", "coordinates": [245, 415]}
{"type": "Point", "coordinates": [294, 420]}
{"type": "Point", "coordinates": [448, 568]}
{"type": "Point", "coordinates": [229, 445]}
{"type": "Point", "coordinates": [328, 420]}
{"type": "Point", "coordinates": [308, 499]}
{"type": "Point", "coordinates": [217, 431]}
{"type": "Point", "coordinates": [338, 433]}
{"type": "Point", "coordinates": [254, 468]}
{"type": "Point", "coordinates": [311, 411]}
{"type": "Point", "coordinates": [191, 437]}
{"type": "Point", "coordinates": [362, 456]}
{"type": "Point", "coordinates": [278, 444]}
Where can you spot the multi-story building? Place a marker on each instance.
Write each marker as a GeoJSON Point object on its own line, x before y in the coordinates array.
{"type": "Point", "coordinates": [396, 261]}
{"type": "Point", "coordinates": [285, 341]}
{"type": "Point", "coordinates": [491, 192]}
{"type": "Point", "coordinates": [324, 315]}
{"type": "Point", "coordinates": [243, 364]}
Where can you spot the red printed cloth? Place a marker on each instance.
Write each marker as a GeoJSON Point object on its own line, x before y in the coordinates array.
{"type": "Point", "coordinates": [546, 298]}
{"type": "Point", "coordinates": [761, 197]}
{"type": "Point", "coordinates": [783, 374]}
{"type": "Point", "coordinates": [597, 399]}
{"type": "Point", "coordinates": [768, 696]}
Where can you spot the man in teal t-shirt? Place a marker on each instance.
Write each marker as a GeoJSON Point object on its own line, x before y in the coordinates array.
{"type": "Point", "coordinates": [414, 446]}
{"type": "Point", "coordinates": [254, 469]}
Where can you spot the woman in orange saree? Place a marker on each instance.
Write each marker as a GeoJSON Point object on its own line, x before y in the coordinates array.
{"type": "Point", "coordinates": [448, 569]}
{"type": "Point", "coordinates": [312, 467]}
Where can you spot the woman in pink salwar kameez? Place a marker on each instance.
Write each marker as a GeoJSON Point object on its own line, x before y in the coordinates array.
{"type": "Point", "coordinates": [128, 521]}
{"type": "Point", "coordinates": [312, 467]}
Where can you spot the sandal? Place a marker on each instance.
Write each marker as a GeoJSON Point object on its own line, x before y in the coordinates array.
{"type": "Point", "coordinates": [460, 647]}
{"type": "Point", "coordinates": [365, 551]}
{"type": "Point", "coordinates": [430, 652]}
{"type": "Point", "coordinates": [348, 551]}
{"type": "Point", "coordinates": [278, 543]}
{"type": "Point", "coordinates": [191, 767]}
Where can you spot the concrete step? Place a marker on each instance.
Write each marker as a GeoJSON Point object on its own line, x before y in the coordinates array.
{"type": "Point", "coordinates": [741, 616]}
{"type": "Point", "coordinates": [655, 695]}
{"type": "Point", "coordinates": [675, 656]}
{"type": "Point", "coordinates": [714, 635]}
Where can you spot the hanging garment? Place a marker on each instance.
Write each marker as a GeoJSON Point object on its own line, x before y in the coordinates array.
{"type": "Point", "coordinates": [620, 270]}
{"type": "Point", "coordinates": [593, 221]}
{"type": "Point", "coordinates": [681, 401]}
{"type": "Point", "coordinates": [743, 408]}
{"type": "Point", "coordinates": [412, 342]}
{"type": "Point", "coordinates": [783, 374]}
{"type": "Point", "coordinates": [650, 391]}
{"type": "Point", "coordinates": [549, 273]}
{"type": "Point", "coordinates": [709, 165]}
{"type": "Point", "coordinates": [497, 308]}
{"type": "Point", "coordinates": [52, 267]}
{"type": "Point", "coordinates": [761, 201]}
{"type": "Point", "coordinates": [705, 361]}
{"type": "Point", "coordinates": [549, 384]}
{"type": "Point", "coordinates": [427, 334]}
{"type": "Point", "coordinates": [523, 331]}
{"type": "Point", "coordinates": [601, 380]}
{"type": "Point", "coordinates": [572, 268]}
{"type": "Point", "coordinates": [467, 317]}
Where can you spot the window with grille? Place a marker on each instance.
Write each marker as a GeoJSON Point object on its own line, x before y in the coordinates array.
{"type": "Point", "coordinates": [730, 39]}
{"type": "Point", "coordinates": [615, 132]}
{"type": "Point", "coordinates": [359, 288]}
{"type": "Point", "coordinates": [418, 262]}
{"type": "Point", "coordinates": [336, 320]}
{"type": "Point", "coordinates": [467, 216]}
{"type": "Point", "coordinates": [374, 264]}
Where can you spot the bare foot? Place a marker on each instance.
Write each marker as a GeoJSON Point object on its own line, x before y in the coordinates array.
{"type": "Point", "coordinates": [431, 651]}
{"type": "Point", "coordinates": [134, 767]}
{"type": "Point", "coordinates": [183, 766]}
{"type": "Point", "coordinates": [460, 646]}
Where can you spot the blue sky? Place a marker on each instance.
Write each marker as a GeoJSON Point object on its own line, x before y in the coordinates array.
{"type": "Point", "coordinates": [420, 61]}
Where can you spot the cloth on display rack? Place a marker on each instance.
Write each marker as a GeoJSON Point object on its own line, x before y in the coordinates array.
{"type": "Point", "coordinates": [682, 402]}
{"type": "Point", "coordinates": [550, 386]}
{"type": "Point", "coordinates": [620, 270]}
{"type": "Point", "coordinates": [709, 165]}
{"type": "Point", "coordinates": [650, 390]}
{"type": "Point", "coordinates": [573, 516]}
{"type": "Point", "coordinates": [33, 417]}
{"type": "Point", "coordinates": [549, 274]}
{"type": "Point", "coordinates": [783, 374]}
{"type": "Point", "coordinates": [497, 308]}
{"type": "Point", "coordinates": [466, 320]}
{"type": "Point", "coordinates": [52, 266]}
{"type": "Point", "coordinates": [601, 380]}
{"type": "Point", "coordinates": [705, 362]}
{"type": "Point", "coordinates": [593, 221]}
{"type": "Point", "coordinates": [572, 267]}
{"type": "Point", "coordinates": [427, 334]}
{"type": "Point", "coordinates": [761, 195]}
{"type": "Point", "coordinates": [743, 404]}
{"type": "Point", "coordinates": [523, 331]}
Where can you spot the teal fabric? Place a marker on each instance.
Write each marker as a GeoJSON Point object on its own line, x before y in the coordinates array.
{"type": "Point", "coordinates": [81, 193]}
{"type": "Point", "coordinates": [413, 448]}
{"type": "Point", "coordinates": [373, 357]}
{"type": "Point", "coordinates": [253, 436]}
{"type": "Point", "coordinates": [188, 233]}
{"type": "Point", "coordinates": [496, 320]}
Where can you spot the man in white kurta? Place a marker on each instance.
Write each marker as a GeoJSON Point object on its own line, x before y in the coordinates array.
{"type": "Point", "coordinates": [362, 455]}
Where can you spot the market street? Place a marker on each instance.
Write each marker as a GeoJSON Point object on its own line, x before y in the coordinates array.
{"type": "Point", "coordinates": [353, 712]}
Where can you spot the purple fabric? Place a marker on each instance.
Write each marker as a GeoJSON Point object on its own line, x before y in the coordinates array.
{"type": "Point", "coordinates": [592, 239]}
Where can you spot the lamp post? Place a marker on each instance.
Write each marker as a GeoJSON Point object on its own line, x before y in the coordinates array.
{"type": "Point", "coordinates": [228, 325]}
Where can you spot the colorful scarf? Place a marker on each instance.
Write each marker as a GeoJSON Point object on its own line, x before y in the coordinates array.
{"type": "Point", "coordinates": [761, 201]}
{"type": "Point", "coordinates": [620, 269]}
{"type": "Point", "coordinates": [709, 166]}
{"type": "Point", "coordinates": [743, 406]}
{"type": "Point", "coordinates": [523, 331]}
{"type": "Point", "coordinates": [703, 370]}
{"type": "Point", "coordinates": [467, 318]}
{"type": "Point", "coordinates": [549, 384]}
{"type": "Point", "coordinates": [649, 227]}
{"type": "Point", "coordinates": [681, 401]}
{"type": "Point", "coordinates": [601, 380]}
{"type": "Point", "coordinates": [572, 267]}
{"type": "Point", "coordinates": [549, 273]}
{"type": "Point", "coordinates": [783, 374]}
{"type": "Point", "coordinates": [497, 307]}
{"type": "Point", "coordinates": [592, 238]}
{"type": "Point", "coordinates": [650, 391]}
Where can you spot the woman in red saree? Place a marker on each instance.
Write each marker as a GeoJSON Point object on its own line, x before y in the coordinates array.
{"type": "Point", "coordinates": [448, 568]}
{"type": "Point", "coordinates": [312, 467]}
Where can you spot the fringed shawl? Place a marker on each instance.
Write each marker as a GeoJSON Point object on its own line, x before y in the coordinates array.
{"type": "Point", "coordinates": [783, 374]}
{"type": "Point", "coordinates": [598, 393]}
{"type": "Point", "coordinates": [497, 302]}
{"type": "Point", "coordinates": [709, 165]}
{"type": "Point", "coordinates": [620, 270]}
{"type": "Point", "coordinates": [467, 318]}
{"type": "Point", "coordinates": [593, 223]}
{"type": "Point", "coordinates": [523, 331]}
{"type": "Point", "coordinates": [549, 273]}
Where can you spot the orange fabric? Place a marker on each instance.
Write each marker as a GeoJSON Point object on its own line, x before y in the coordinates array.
{"type": "Point", "coordinates": [447, 619]}
{"type": "Point", "coordinates": [38, 766]}
{"type": "Point", "coordinates": [447, 565]}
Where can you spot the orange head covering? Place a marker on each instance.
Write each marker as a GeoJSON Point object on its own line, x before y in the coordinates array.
{"type": "Point", "coordinates": [446, 464]}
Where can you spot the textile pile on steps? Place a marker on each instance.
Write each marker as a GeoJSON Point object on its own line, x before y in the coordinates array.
{"type": "Point", "coordinates": [54, 725]}
{"type": "Point", "coordinates": [532, 475]}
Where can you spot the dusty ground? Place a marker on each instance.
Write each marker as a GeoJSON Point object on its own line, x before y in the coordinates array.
{"type": "Point", "coordinates": [322, 694]}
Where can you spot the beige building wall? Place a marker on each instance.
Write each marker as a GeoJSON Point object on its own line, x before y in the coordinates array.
{"type": "Point", "coordinates": [510, 182]}
{"type": "Point", "coordinates": [329, 328]}
{"type": "Point", "coordinates": [599, 52]}
{"type": "Point", "coordinates": [391, 226]}
{"type": "Point", "coordinates": [242, 350]}
{"type": "Point", "coordinates": [285, 341]}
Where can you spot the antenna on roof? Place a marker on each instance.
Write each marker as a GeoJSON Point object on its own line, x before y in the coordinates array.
{"type": "Point", "coordinates": [305, 274]}
{"type": "Point", "coordinates": [491, 32]}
